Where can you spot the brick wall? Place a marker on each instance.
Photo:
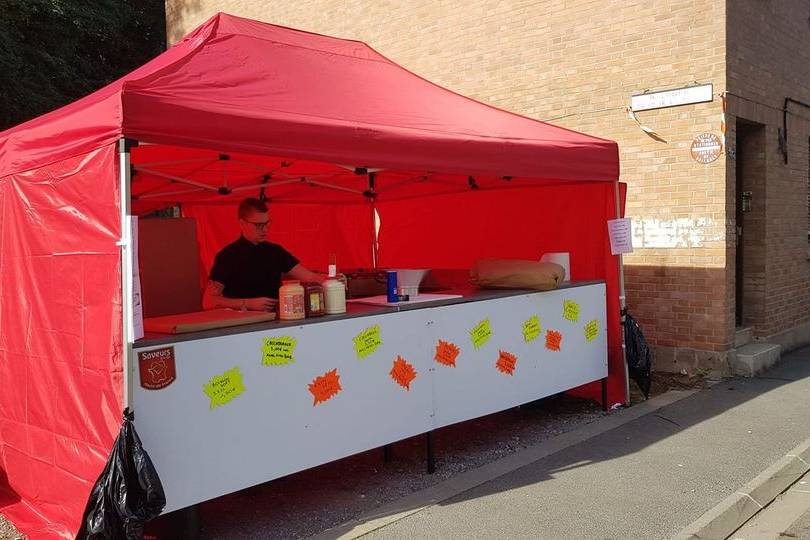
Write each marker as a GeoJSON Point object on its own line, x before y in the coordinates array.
{"type": "Point", "coordinates": [750, 169]}
{"type": "Point", "coordinates": [576, 63]}
{"type": "Point", "coordinates": [768, 60]}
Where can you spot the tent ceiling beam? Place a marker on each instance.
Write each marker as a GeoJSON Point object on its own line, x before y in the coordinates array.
{"type": "Point", "coordinates": [178, 179]}
{"type": "Point", "coordinates": [158, 196]}
{"type": "Point", "coordinates": [257, 167]}
{"type": "Point", "coordinates": [261, 185]}
{"type": "Point", "coordinates": [205, 160]}
{"type": "Point", "coordinates": [402, 183]}
{"type": "Point", "coordinates": [169, 182]}
{"type": "Point", "coordinates": [330, 186]}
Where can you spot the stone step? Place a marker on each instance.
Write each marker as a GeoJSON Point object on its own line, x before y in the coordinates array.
{"type": "Point", "coordinates": [753, 358]}
{"type": "Point", "coordinates": [743, 336]}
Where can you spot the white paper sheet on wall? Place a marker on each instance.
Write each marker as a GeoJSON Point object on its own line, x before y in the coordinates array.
{"type": "Point", "coordinates": [137, 306]}
{"type": "Point", "coordinates": [621, 236]}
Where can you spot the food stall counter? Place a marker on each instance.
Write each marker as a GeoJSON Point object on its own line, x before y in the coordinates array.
{"type": "Point", "coordinates": [353, 310]}
{"type": "Point", "coordinates": [225, 409]}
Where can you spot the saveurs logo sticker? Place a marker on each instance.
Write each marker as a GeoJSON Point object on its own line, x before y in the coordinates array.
{"type": "Point", "coordinates": [157, 368]}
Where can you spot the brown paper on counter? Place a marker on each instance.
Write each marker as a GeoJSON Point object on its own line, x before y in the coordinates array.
{"type": "Point", "coordinates": [204, 320]}
{"type": "Point", "coordinates": [516, 274]}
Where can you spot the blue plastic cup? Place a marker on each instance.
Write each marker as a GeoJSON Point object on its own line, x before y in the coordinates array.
{"type": "Point", "coordinates": [391, 282]}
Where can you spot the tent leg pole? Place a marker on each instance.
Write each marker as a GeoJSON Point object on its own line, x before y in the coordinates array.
{"type": "Point", "coordinates": [605, 406]}
{"type": "Point", "coordinates": [373, 235]}
{"type": "Point", "coordinates": [185, 524]}
{"type": "Point", "coordinates": [125, 245]}
{"type": "Point", "coordinates": [431, 458]}
{"type": "Point", "coordinates": [622, 299]}
{"type": "Point", "coordinates": [190, 522]}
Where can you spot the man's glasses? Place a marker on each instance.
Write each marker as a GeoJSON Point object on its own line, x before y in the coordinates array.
{"type": "Point", "coordinates": [260, 225]}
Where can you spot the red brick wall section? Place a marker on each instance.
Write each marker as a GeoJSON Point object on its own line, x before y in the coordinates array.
{"type": "Point", "coordinates": [769, 60]}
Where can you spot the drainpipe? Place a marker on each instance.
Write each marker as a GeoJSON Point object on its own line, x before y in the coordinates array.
{"type": "Point", "coordinates": [783, 142]}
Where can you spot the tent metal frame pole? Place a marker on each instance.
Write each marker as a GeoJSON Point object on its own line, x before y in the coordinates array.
{"type": "Point", "coordinates": [374, 239]}
{"type": "Point", "coordinates": [178, 179]}
{"type": "Point", "coordinates": [125, 243]}
{"type": "Point", "coordinates": [164, 194]}
{"type": "Point", "coordinates": [622, 299]}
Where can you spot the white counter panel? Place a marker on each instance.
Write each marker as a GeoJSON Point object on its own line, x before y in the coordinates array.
{"type": "Point", "coordinates": [272, 428]}
{"type": "Point", "coordinates": [475, 387]}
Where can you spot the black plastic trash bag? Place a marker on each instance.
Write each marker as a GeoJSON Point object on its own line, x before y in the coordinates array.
{"type": "Point", "coordinates": [127, 494]}
{"type": "Point", "coordinates": [639, 358]}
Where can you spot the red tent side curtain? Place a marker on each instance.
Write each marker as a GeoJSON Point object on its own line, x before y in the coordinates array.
{"type": "Point", "coordinates": [60, 338]}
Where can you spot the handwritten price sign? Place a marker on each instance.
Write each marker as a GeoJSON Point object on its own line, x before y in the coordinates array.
{"type": "Point", "coordinates": [481, 334]}
{"type": "Point", "coordinates": [506, 363]}
{"type": "Point", "coordinates": [367, 341]}
{"type": "Point", "coordinates": [223, 388]}
{"type": "Point", "coordinates": [591, 330]}
{"type": "Point", "coordinates": [403, 373]}
{"type": "Point", "coordinates": [325, 386]}
{"type": "Point", "coordinates": [278, 351]}
{"type": "Point", "coordinates": [531, 329]}
{"type": "Point", "coordinates": [446, 353]}
{"type": "Point", "coordinates": [571, 310]}
{"type": "Point", "coordinates": [553, 340]}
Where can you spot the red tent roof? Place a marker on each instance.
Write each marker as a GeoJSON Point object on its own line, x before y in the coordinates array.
{"type": "Point", "coordinates": [239, 85]}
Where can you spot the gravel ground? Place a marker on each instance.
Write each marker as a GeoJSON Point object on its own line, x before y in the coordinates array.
{"type": "Point", "coordinates": [306, 503]}
{"type": "Point", "coordinates": [8, 531]}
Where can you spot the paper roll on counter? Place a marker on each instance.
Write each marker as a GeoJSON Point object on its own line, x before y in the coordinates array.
{"type": "Point", "coordinates": [561, 258]}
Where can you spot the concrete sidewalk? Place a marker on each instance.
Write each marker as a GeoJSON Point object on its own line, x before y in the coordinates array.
{"type": "Point", "coordinates": [648, 478]}
{"type": "Point", "coordinates": [787, 516]}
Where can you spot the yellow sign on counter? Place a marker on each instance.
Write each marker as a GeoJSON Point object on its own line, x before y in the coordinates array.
{"type": "Point", "coordinates": [278, 351]}
{"type": "Point", "coordinates": [367, 341]}
{"type": "Point", "coordinates": [591, 330]}
{"type": "Point", "coordinates": [481, 334]}
{"type": "Point", "coordinates": [224, 388]}
{"type": "Point", "coordinates": [571, 310]}
{"type": "Point", "coordinates": [531, 329]}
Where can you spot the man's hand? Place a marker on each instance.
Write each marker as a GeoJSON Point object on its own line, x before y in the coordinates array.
{"type": "Point", "coordinates": [302, 274]}
{"type": "Point", "coordinates": [261, 303]}
{"type": "Point", "coordinates": [212, 299]}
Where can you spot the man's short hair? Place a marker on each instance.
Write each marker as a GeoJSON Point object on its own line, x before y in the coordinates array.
{"type": "Point", "coordinates": [251, 205]}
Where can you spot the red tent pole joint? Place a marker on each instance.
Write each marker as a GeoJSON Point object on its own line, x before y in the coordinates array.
{"type": "Point", "coordinates": [371, 196]}
{"type": "Point", "coordinates": [265, 179]}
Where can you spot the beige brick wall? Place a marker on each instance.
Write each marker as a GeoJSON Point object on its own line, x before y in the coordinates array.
{"type": "Point", "coordinates": [768, 60]}
{"type": "Point", "coordinates": [576, 63]}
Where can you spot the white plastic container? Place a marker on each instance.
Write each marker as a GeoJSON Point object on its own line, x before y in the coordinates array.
{"type": "Point", "coordinates": [409, 279]}
{"type": "Point", "coordinates": [334, 292]}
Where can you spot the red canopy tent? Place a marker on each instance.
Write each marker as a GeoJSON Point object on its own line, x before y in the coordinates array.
{"type": "Point", "coordinates": [333, 133]}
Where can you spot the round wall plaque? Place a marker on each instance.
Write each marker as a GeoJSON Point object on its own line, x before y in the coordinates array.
{"type": "Point", "coordinates": [706, 148]}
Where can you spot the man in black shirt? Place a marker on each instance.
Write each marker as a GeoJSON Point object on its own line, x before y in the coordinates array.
{"type": "Point", "coordinates": [247, 273]}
